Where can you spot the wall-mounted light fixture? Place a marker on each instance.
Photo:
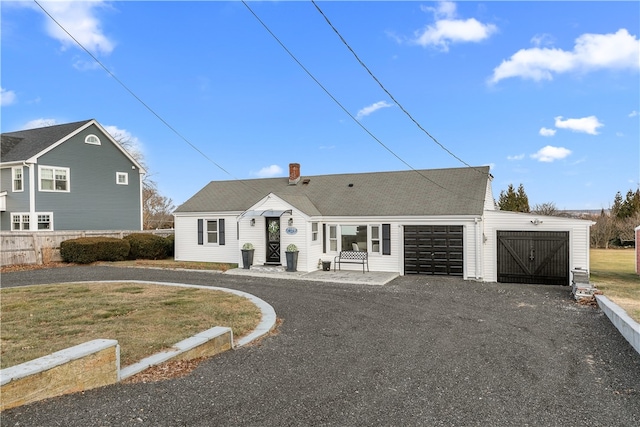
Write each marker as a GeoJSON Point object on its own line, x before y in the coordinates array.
{"type": "Point", "coordinates": [290, 222]}
{"type": "Point", "coordinates": [536, 222]}
{"type": "Point", "coordinates": [253, 222]}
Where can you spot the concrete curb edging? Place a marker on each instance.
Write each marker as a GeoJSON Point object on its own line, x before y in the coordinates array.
{"type": "Point", "coordinates": [53, 360]}
{"type": "Point", "coordinates": [629, 328]}
{"type": "Point", "coordinates": [178, 349]}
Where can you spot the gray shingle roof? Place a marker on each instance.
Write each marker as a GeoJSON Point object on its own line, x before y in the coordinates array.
{"type": "Point", "coordinates": [455, 191]}
{"type": "Point", "coordinates": [24, 144]}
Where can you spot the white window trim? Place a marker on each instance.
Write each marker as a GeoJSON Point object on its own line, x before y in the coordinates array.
{"type": "Point", "coordinates": [54, 168]}
{"type": "Point", "coordinates": [126, 178]}
{"type": "Point", "coordinates": [371, 239]}
{"type": "Point", "coordinates": [86, 140]}
{"type": "Point", "coordinates": [13, 178]}
{"type": "Point", "coordinates": [205, 236]}
{"type": "Point", "coordinates": [33, 219]}
{"type": "Point", "coordinates": [22, 215]}
{"type": "Point", "coordinates": [50, 221]}
{"type": "Point", "coordinates": [315, 235]}
{"type": "Point", "coordinates": [336, 239]}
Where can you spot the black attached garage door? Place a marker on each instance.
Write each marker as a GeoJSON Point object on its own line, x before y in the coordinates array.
{"type": "Point", "coordinates": [433, 249]}
{"type": "Point", "coordinates": [536, 257]}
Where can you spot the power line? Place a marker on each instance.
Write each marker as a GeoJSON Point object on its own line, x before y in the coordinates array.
{"type": "Point", "coordinates": [385, 89]}
{"type": "Point", "coordinates": [138, 98]}
{"type": "Point", "coordinates": [342, 106]}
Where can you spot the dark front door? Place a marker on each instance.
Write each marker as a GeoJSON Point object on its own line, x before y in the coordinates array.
{"type": "Point", "coordinates": [433, 249]}
{"type": "Point", "coordinates": [535, 257]}
{"type": "Point", "coordinates": [273, 240]}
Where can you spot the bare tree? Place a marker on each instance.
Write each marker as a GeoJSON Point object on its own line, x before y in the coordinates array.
{"type": "Point", "coordinates": [157, 210]}
{"type": "Point", "coordinates": [547, 208]}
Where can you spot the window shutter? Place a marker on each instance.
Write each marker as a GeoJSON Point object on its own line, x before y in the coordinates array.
{"type": "Point", "coordinates": [221, 232]}
{"type": "Point", "coordinates": [386, 239]}
{"type": "Point", "coordinates": [324, 238]}
{"type": "Point", "coordinates": [200, 231]}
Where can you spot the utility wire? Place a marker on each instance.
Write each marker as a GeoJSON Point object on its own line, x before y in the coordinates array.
{"type": "Point", "coordinates": [139, 99]}
{"type": "Point", "coordinates": [342, 106]}
{"type": "Point", "coordinates": [386, 91]}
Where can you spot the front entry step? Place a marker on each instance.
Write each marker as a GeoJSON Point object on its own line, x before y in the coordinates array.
{"type": "Point", "coordinates": [268, 268]}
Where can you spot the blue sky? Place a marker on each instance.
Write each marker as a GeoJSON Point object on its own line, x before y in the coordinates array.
{"type": "Point", "coordinates": [546, 93]}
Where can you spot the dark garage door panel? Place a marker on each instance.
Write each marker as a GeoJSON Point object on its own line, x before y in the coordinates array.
{"type": "Point", "coordinates": [434, 250]}
{"type": "Point", "coordinates": [534, 257]}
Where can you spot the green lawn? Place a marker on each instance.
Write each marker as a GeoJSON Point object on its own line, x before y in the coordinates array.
{"type": "Point", "coordinates": [613, 273]}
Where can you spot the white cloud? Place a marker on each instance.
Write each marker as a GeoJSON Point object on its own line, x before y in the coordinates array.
{"type": "Point", "coordinates": [269, 171]}
{"type": "Point", "coordinates": [80, 20]}
{"type": "Point", "coordinates": [372, 108]}
{"type": "Point", "coordinates": [516, 157]}
{"type": "Point", "coordinates": [619, 50]}
{"type": "Point", "coordinates": [7, 97]}
{"type": "Point", "coordinates": [549, 154]}
{"type": "Point", "coordinates": [542, 40]}
{"type": "Point", "coordinates": [588, 125]}
{"type": "Point", "coordinates": [547, 132]}
{"type": "Point", "coordinates": [447, 30]}
{"type": "Point", "coordinates": [39, 123]}
{"type": "Point", "coordinates": [130, 142]}
{"type": "Point", "coordinates": [633, 113]}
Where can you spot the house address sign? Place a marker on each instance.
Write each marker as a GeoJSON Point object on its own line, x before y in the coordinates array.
{"type": "Point", "coordinates": [291, 230]}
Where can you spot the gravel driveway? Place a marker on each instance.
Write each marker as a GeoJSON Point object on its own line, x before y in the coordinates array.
{"type": "Point", "coordinates": [419, 351]}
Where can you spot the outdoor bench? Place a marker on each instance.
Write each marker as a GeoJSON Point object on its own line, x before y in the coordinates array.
{"type": "Point", "coordinates": [352, 257]}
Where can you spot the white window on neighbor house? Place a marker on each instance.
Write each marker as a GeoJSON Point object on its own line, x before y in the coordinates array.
{"type": "Point", "coordinates": [53, 179]}
{"type": "Point", "coordinates": [19, 221]}
{"type": "Point", "coordinates": [18, 178]}
{"type": "Point", "coordinates": [92, 139]}
{"type": "Point", "coordinates": [122, 178]}
{"type": "Point", "coordinates": [314, 231]}
{"type": "Point", "coordinates": [44, 221]}
{"type": "Point", "coordinates": [333, 238]}
{"type": "Point", "coordinates": [375, 239]}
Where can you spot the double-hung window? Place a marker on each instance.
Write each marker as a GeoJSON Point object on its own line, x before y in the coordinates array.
{"type": "Point", "coordinates": [20, 221]}
{"type": "Point", "coordinates": [375, 239]}
{"type": "Point", "coordinates": [44, 221]}
{"type": "Point", "coordinates": [314, 231]}
{"type": "Point", "coordinates": [54, 179]}
{"type": "Point", "coordinates": [211, 232]}
{"type": "Point", "coordinates": [333, 238]}
{"type": "Point", "coordinates": [17, 177]}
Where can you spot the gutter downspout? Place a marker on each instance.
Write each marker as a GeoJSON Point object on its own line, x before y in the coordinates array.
{"type": "Point", "coordinates": [32, 197]}
{"type": "Point", "coordinates": [479, 270]}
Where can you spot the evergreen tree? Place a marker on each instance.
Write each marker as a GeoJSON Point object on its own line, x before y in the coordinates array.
{"type": "Point", "coordinates": [511, 200]}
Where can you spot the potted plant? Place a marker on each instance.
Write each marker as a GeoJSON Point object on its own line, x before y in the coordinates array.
{"type": "Point", "coordinates": [247, 255]}
{"type": "Point", "coordinates": [292, 257]}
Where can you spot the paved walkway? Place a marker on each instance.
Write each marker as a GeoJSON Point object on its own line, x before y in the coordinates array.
{"type": "Point", "coordinates": [343, 276]}
{"type": "Point", "coordinates": [418, 351]}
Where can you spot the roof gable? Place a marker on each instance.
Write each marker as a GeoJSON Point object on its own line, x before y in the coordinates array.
{"type": "Point", "coordinates": [25, 144]}
{"type": "Point", "coordinates": [455, 191]}
{"type": "Point", "coordinates": [28, 144]}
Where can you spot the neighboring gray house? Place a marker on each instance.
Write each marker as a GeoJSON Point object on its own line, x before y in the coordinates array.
{"type": "Point", "coordinates": [441, 221]}
{"type": "Point", "coordinates": [73, 176]}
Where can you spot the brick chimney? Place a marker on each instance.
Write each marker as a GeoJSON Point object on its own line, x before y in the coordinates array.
{"type": "Point", "coordinates": [294, 173]}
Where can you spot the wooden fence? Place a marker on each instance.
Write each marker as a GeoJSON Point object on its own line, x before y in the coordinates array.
{"type": "Point", "coordinates": [23, 247]}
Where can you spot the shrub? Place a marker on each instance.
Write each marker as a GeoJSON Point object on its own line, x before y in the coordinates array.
{"type": "Point", "coordinates": [91, 249]}
{"type": "Point", "coordinates": [170, 242]}
{"type": "Point", "coordinates": [247, 246]}
{"type": "Point", "coordinates": [146, 246]}
{"type": "Point", "coordinates": [292, 248]}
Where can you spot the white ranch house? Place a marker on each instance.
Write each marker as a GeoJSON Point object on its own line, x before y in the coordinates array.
{"type": "Point", "coordinates": [440, 222]}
